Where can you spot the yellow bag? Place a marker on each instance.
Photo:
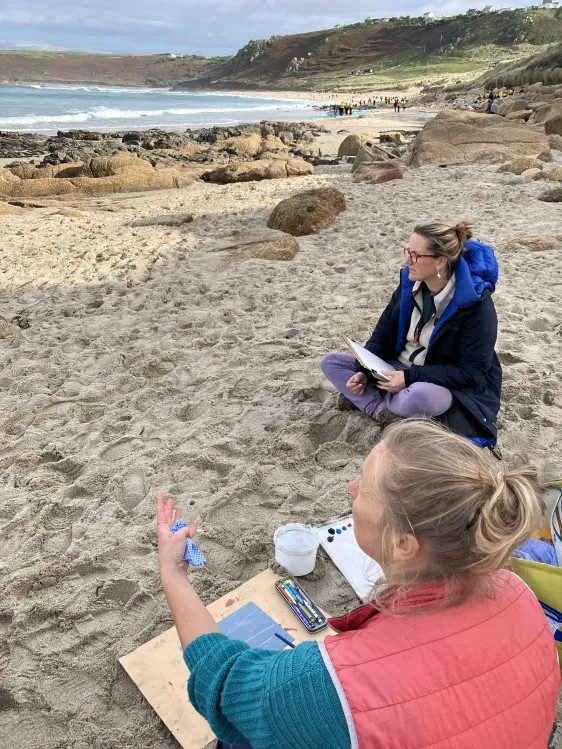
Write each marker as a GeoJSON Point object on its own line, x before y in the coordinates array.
{"type": "Point", "coordinates": [545, 580]}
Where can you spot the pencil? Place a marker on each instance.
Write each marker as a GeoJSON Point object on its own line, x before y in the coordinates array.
{"type": "Point", "coordinates": [284, 639]}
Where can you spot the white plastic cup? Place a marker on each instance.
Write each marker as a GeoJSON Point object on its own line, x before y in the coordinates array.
{"type": "Point", "coordinates": [295, 548]}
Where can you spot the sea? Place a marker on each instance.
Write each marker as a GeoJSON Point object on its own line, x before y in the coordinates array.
{"type": "Point", "coordinates": [47, 108]}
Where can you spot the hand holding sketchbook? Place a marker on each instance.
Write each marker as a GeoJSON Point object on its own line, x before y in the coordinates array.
{"type": "Point", "coordinates": [370, 361]}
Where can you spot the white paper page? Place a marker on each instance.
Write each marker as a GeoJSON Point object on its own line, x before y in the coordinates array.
{"type": "Point", "coordinates": [360, 571]}
{"type": "Point", "coordinates": [368, 359]}
{"type": "Point", "coordinates": [557, 529]}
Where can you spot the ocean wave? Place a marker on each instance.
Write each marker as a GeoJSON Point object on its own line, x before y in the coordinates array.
{"type": "Point", "coordinates": [108, 113]}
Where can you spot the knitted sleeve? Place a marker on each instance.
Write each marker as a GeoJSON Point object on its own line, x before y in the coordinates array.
{"type": "Point", "coordinates": [265, 698]}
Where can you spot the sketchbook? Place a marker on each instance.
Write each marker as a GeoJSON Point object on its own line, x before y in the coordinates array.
{"type": "Point", "coordinates": [370, 361]}
{"type": "Point", "coordinates": [360, 571]}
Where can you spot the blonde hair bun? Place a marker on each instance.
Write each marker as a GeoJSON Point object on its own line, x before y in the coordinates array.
{"type": "Point", "coordinates": [463, 229]}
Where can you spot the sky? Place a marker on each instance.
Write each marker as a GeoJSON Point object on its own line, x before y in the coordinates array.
{"type": "Point", "coordinates": [202, 27]}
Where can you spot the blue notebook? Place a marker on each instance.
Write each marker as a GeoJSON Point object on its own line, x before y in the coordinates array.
{"type": "Point", "coordinates": [254, 627]}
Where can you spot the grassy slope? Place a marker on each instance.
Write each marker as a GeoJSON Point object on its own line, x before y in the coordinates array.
{"type": "Point", "coordinates": [404, 50]}
{"type": "Point", "coordinates": [545, 66]}
{"type": "Point", "coordinates": [80, 67]}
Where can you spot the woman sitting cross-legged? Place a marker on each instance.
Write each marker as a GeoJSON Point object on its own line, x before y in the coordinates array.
{"type": "Point", "coordinates": [438, 331]}
{"type": "Point", "coordinates": [454, 652]}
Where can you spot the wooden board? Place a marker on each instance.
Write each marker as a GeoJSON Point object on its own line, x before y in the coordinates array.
{"type": "Point", "coordinates": [158, 669]}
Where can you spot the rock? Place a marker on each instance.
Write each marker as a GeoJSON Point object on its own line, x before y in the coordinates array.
{"type": "Point", "coordinates": [554, 195]}
{"type": "Point", "coordinates": [555, 142]}
{"type": "Point", "coordinates": [259, 170]}
{"type": "Point", "coordinates": [307, 212]}
{"type": "Point", "coordinates": [260, 244]}
{"type": "Point", "coordinates": [555, 175]}
{"type": "Point", "coordinates": [509, 106]}
{"type": "Point", "coordinates": [520, 165]}
{"type": "Point", "coordinates": [553, 122]}
{"type": "Point", "coordinates": [543, 110]}
{"type": "Point", "coordinates": [460, 137]}
{"type": "Point", "coordinates": [529, 175]}
{"type": "Point", "coordinates": [392, 137]}
{"type": "Point", "coordinates": [351, 145]}
{"type": "Point", "coordinates": [246, 145]}
{"type": "Point", "coordinates": [376, 174]}
{"type": "Point", "coordinates": [170, 219]}
{"type": "Point", "coordinates": [519, 115]}
{"type": "Point", "coordinates": [372, 154]}
{"type": "Point", "coordinates": [291, 333]}
{"type": "Point", "coordinates": [536, 244]}
{"type": "Point", "coordinates": [8, 329]}
{"type": "Point", "coordinates": [6, 208]}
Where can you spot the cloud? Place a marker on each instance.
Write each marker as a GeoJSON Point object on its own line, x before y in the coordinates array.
{"type": "Point", "coordinates": [195, 26]}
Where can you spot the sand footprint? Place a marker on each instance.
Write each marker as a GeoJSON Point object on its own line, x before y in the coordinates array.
{"type": "Point", "coordinates": [134, 489]}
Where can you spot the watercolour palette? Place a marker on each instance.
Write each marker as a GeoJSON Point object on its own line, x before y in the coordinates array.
{"type": "Point", "coordinates": [360, 571]}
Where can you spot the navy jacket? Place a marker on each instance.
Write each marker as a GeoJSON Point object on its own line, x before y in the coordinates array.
{"type": "Point", "coordinates": [460, 354]}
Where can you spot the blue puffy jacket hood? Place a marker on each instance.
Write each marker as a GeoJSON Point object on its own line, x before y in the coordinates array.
{"type": "Point", "coordinates": [476, 274]}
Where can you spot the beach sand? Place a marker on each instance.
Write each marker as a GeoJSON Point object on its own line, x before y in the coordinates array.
{"type": "Point", "coordinates": [153, 363]}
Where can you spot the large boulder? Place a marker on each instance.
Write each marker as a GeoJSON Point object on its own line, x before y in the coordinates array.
{"type": "Point", "coordinates": [555, 142]}
{"type": "Point", "coordinates": [251, 171]}
{"type": "Point", "coordinates": [459, 137]}
{"type": "Point", "coordinates": [307, 212]}
{"type": "Point", "coordinates": [259, 244]}
{"type": "Point", "coordinates": [371, 155]}
{"type": "Point", "coordinates": [511, 105]}
{"type": "Point", "coordinates": [351, 145]}
{"type": "Point", "coordinates": [376, 174]}
{"type": "Point", "coordinates": [542, 111]}
{"type": "Point", "coordinates": [553, 123]}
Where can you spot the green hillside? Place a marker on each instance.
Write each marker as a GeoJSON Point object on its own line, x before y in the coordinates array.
{"type": "Point", "coordinates": [545, 66]}
{"type": "Point", "coordinates": [403, 50]}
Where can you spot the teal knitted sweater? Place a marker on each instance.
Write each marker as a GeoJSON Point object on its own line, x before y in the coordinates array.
{"type": "Point", "coordinates": [272, 700]}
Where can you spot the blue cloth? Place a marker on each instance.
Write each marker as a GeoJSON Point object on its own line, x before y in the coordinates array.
{"type": "Point", "coordinates": [537, 551]}
{"type": "Point", "coordinates": [264, 698]}
{"type": "Point", "coordinates": [192, 553]}
{"type": "Point", "coordinates": [460, 355]}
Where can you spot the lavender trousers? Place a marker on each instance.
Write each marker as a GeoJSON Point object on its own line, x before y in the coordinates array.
{"type": "Point", "coordinates": [420, 399]}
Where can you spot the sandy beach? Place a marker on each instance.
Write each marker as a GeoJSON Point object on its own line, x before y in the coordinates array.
{"type": "Point", "coordinates": [154, 362]}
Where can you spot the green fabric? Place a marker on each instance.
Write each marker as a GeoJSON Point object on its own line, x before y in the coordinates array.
{"type": "Point", "coordinates": [273, 700]}
{"type": "Point", "coordinates": [428, 307]}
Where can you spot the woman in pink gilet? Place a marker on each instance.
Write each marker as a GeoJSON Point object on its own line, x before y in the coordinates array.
{"type": "Point", "coordinates": [454, 652]}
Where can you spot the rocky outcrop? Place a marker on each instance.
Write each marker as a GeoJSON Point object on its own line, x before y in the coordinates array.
{"type": "Point", "coordinates": [458, 137]}
{"type": "Point", "coordinates": [253, 171]}
{"type": "Point", "coordinates": [97, 176]}
{"type": "Point", "coordinates": [307, 212]}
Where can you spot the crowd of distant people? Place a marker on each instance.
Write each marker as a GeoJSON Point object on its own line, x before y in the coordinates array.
{"type": "Point", "coordinates": [346, 108]}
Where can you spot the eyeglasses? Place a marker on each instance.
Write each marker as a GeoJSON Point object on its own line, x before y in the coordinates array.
{"type": "Point", "coordinates": [412, 257]}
